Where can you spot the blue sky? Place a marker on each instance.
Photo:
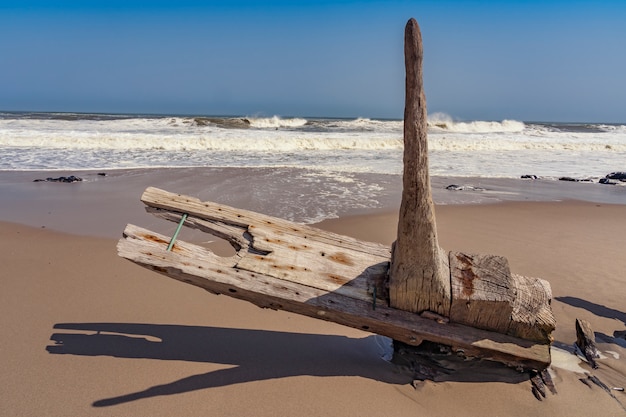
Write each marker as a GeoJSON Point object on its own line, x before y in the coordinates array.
{"type": "Point", "coordinates": [486, 60]}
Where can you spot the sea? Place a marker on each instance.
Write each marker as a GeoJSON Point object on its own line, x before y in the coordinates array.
{"type": "Point", "coordinates": [483, 149]}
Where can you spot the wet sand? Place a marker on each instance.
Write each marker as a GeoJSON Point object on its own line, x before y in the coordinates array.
{"type": "Point", "coordinates": [103, 205]}
{"type": "Point", "coordinates": [88, 333]}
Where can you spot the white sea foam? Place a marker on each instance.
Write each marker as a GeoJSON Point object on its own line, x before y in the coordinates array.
{"type": "Point", "coordinates": [275, 122]}
{"type": "Point", "coordinates": [489, 149]}
{"type": "Point", "coordinates": [486, 127]}
{"type": "Point", "coordinates": [445, 123]}
{"type": "Point", "coordinates": [365, 124]}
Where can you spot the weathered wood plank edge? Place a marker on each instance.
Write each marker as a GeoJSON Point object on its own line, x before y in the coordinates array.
{"type": "Point", "coordinates": [157, 198]}
{"type": "Point", "coordinates": [317, 264]}
{"type": "Point", "coordinates": [217, 275]}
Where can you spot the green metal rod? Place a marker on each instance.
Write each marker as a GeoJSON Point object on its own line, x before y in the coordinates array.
{"type": "Point", "coordinates": [180, 225]}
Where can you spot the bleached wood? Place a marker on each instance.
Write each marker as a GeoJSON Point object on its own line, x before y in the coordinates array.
{"type": "Point", "coordinates": [486, 295]}
{"type": "Point", "coordinates": [199, 266]}
{"type": "Point", "coordinates": [420, 276]}
{"type": "Point", "coordinates": [155, 198]}
{"type": "Point", "coordinates": [532, 317]}
{"type": "Point", "coordinates": [482, 291]}
{"type": "Point", "coordinates": [476, 290]}
{"type": "Point", "coordinates": [284, 249]}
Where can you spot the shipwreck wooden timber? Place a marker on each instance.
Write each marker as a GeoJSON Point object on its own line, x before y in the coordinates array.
{"type": "Point", "coordinates": [420, 276]}
{"type": "Point", "coordinates": [415, 292]}
{"type": "Point", "coordinates": [288, 266]}
{"type": "Point", "coordinates": [476, 290]}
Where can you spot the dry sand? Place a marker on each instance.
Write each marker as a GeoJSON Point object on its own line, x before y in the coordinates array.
{"type": "Point", "coordinates": [85, 332]}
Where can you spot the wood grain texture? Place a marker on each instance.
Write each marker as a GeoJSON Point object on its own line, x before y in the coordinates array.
{"type": "Point", "coordinates": [485, 294]}
{"type": "Point", "coordinates": [482, 291]}
{"type": "Point", "coordinates": [333, 276]}
{"type": "Point", "coordinates": [420, 276]}
{"type": "Point", "coordinates": [586, 342]}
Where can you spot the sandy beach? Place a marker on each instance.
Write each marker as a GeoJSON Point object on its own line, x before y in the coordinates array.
{"type": "Point", "coordinates": [87, 333]}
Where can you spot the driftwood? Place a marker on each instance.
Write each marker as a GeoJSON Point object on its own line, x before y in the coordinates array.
{"type": "Point", "coordinates": [487, 295]}
{"type": "Point", "coordinates": [477, 290]}
{"type": "Point", "coordinates": [297, 268]}
{"type": "Point", "coordinates": [586, 342]}
{"type": "Point", "coordinates": [539, 382]}
{"type": "Point", "coordinates": [420, 276]}
{"type": "Point", "coordinates": [471, 303]}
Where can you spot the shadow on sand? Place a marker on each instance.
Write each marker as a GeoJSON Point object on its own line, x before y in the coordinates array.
{"type": "Point", "coordinates": [256, 355]}
{"type": "Point", "coordinates": [619, 336]}
{"type": "Point", "coordinates": [597, 309]}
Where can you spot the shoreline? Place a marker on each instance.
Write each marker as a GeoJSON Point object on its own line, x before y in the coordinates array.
{"type": "Point", "coordinates": [298, 195]}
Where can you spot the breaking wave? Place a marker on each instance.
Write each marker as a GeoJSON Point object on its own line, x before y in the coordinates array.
{"type": "Point", "coordinates": [274, 122]}
{"type": "Point", "coordinates": [478, 148]}
{"type": "Point", "coordinates": [443, 122]}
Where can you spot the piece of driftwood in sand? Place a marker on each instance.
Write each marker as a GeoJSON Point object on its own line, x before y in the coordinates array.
{"type": "Point", "coordinates": [420, 276]}
{"type": "Point", "coordinates": [287, 266]}
{"type": "Point", "coordinates": [586, 342]}
{"type": "Point", "coordinates": [471, 303]}
{"type": "Point", "coordinates": [476, 290]}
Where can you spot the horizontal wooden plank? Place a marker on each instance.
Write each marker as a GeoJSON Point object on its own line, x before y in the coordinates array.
{"type": "Point", "coordinates": [315, 263]}
{"type": "Point", "coordinates": [157, 198]}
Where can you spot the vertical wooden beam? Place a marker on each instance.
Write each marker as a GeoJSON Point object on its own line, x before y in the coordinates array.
{"type": "Point", "coordinates": [419, 274]}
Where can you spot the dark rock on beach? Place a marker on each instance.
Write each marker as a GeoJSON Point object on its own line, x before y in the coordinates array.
{"type": "Point", "coordinates": [608, 181]}
{"type": "Point", "coordinates": [530, 177]}
{"type": "Point", "coordinates": [69, 179]}
{"type": "Point", "coordinates": [575, 179]}
{"type": "Point", "coordinates": [617, 176]}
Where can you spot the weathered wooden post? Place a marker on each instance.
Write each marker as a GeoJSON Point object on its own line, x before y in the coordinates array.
{"type": "Point", "coordinates": [419, 275]}
{"type": "Point", "coordinates": [475, 290]}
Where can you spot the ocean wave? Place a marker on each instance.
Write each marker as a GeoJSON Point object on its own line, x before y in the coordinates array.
{"type": "Point", "coordinates": [351, 145]}
{"type": "Point", "coordinates": [268, 140]}
{"type": "Point", "coordinates": [364, 124]}
{"type": "Point", "coordinates": [223, 122]}
{"type": "Point", "coordinates": [221, 140]}
{"type": "Point", "coordinates": [274, 122]}
{"type": "Point", "coordinates": [613, 128]}
{"type": "Point", "coordinates": [501, 143]}
{"type": "Point", "coordinates": [505, 126]}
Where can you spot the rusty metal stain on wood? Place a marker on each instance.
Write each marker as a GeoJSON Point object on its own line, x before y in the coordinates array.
{"type": "Point", "coordinates": [337, 279]}
{"type": "Point", "coordinates": [467, 274]}
{"type": "Point", "coordinates": [282, 267]}
{"type": "Point", "coordinates": [341, 258]}
{"type": "Point", "coordinates": [153, 238]}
